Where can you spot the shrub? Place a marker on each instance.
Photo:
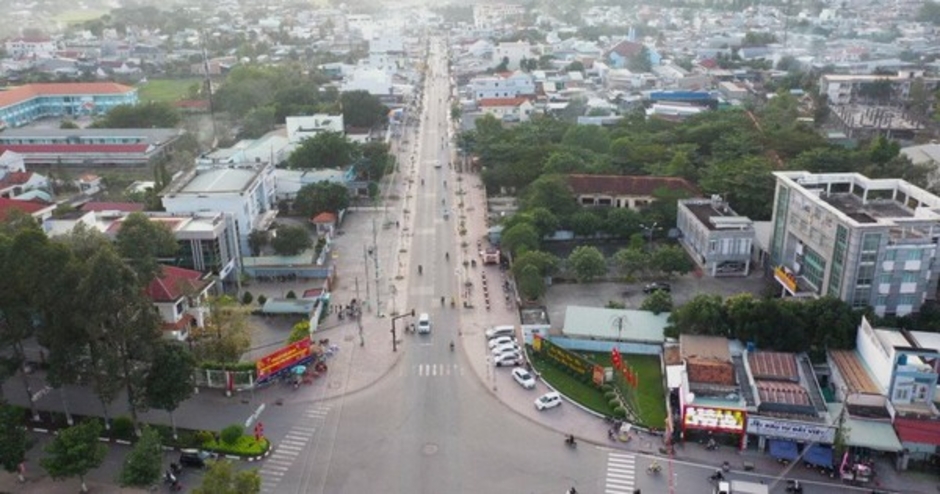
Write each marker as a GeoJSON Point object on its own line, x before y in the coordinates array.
{"type": "Point", "coordinates": [122, 428]}
{"type": "Point", "coordinates": [609, 395]}
{"type": "Point", "coordinates": [262, 299]}
{"type": "Point", "coordinates": [247, 297]}
{"type": "Point", "coordinates": [243, 446]}
{"type": "Point", "coordinates": [620, 412]}
{"type": "Point", "coordinates": [231, 434]}
{"type": "Point", "coordinates": [614, 403]}
{"type": "Point", "coordinates": [204, 437]}
{"type": "Point", "coordinates": [291, 294]}
{"type": "Point", "coordinates": [606, 387]}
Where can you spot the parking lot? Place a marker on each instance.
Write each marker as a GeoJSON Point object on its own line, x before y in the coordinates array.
{"type": "Point", "coordinates": [684, 288]}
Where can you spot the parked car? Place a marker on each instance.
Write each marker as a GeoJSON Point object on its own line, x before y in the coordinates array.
{"type": "Point", "coordinates": [500, 341]}
{"type": "Point", "coordinates": [506, 348]}
{"type": "Point", "coordinates": [523, 377]}
{"type": "Point", "coordinates": [194, 458]}
{"type": "Point", "coordinates": [657, 286]}
{"type": "Point", "coordinates": [548, 400]}
{"type": "Point", "coordinates": [511, 358]}
{"type": "Point", "coordinates": [497, 331]}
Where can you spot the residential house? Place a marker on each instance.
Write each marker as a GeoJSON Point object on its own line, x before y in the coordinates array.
{"type": "Point", "coordinates": [37, 209]}
{"type": "Point", "coordinates": [507, 109]}
{"type": "Point", "coordinates": [717, 239]}
{"type": "Point", "coordinates": [505, 85]}
{"type": "Point", "coordinates": [181, 298]}
{"type": "Point", "coordinates": [88, 184]}
{"type": "Point", "coordinates": [512, 51]}
{"type": "Point", "coordinates": [30, 47]}
{"type": "Point", "coordinates": [624, 191]}
{"type": "Point", "coordinates": [620, 54]}
{"type": "Point", "coordinates": [325, 223]}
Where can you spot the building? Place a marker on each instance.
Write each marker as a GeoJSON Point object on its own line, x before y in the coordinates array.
{"type": "Point", "coordinates": [513, 52]}
{"type": "Point", "coordinates": [928, 156]}
{"type": "Point", "coordinates": [625, 191]}
{"type": "Point", "coordinates": [852, 89]}
{"type": "Point", "coordinates": [868, 242]}
{"type": "Point", "coordinates": [273, 147]}
{"type": "Point", "coordinates": [30, 47]}
{"type": "Point", "coordinates": [24, 104]}
{"type": "Point", "coordinates": [90, 147]}
{"type": "Point", "coordinates": [244, 192]}
{"type": "Point", "coordinates": [719, 241]}
{"type": "Point", "coordinates": [489, 16]}
{"type": "Point", "coordinates": [37, 209]}
{"type": "Point", "coordinates": [507, 109]}
{"type": "Point", "coordinates": [300, 128]}
{"type": "Point", "coordinates": [620, 54]}
{"type": "Point", "coordinates": [506, 85]}
{"type": "Point", "coordinates": [181, 298]}
{"type": "Point", "coordinates": [594, 328]}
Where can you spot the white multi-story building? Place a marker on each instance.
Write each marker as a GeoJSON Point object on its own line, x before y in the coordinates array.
{"type": "Point", "coordinates": [868, 242]}
{"type": "Point", "coordinates": [718, 239]}
{"type": "Point", "coordinates": [513, 51]}
{"type": "Point", "coordinates": [244, 192]}
{"type": "Point", "coordinates": [25, 47]}
{"type": "Point", "coordinates": [300, 128]}
{"type": "Point", "coordinates": [509, 86]}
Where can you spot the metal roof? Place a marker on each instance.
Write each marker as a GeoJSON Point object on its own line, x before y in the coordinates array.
{"type": "Point", "coordinates": [597, 322]}
{"type": "Point", "coordinates": [220, 180]}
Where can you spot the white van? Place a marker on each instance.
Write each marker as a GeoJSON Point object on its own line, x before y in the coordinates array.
{"type": "Point", "coordinates": [497, 331]}
{"type": "Point", "coordinates": [424, 323]}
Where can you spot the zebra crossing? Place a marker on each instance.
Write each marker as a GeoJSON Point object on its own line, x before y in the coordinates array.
{"type": "Point", "coordinates": [290, 447]}
{"type": "Point", "coordinates": [437, 370]}
{"type": "Point", "coordinates": [621, 473]}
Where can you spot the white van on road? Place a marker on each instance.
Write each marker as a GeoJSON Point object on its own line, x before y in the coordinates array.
{"type": "Point", "coordinates": [424, 323]}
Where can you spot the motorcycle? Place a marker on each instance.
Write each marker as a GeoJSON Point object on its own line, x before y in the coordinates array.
{"type": "Point", "coordinates": [794, 487]}
{"type": "Point", "coordinates": [717, 476]}
{"type": "Point", "coordinates": [654, 469]}
{"type": "Point", "coordinates": [169, 478]}
{"type": "Point", "coordinates": [420, 269]}
{"type": "Point", "coordinates": [570, 442]}
{"type": "Point", "coordinates": [452, 346]}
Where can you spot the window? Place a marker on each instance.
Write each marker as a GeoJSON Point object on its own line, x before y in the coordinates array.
{"type": "Point", "coordinates": [906, 300]}
{"type": "Point", "coordinates": [914, 254]}
{"type": "Point", "coordinates": [884, 278]}
{"type": "Point", "coordinates": [712, 245]}
{"type": "Point", "coordinates": [865, 275]}
{"type": "Point", "coordinates": [871, 243]}
{"type": "Point", "coordinates": [880, 300]}
{"type": "Point", "coordinates": [891, 254]}
{"type": "Point", "coordinates": [909, 278]}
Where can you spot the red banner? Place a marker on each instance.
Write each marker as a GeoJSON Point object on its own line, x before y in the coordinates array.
{"type": "Point", "coordinates": [283, 358]}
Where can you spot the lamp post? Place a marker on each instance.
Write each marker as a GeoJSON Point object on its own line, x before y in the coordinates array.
{"type": "Point", "coordinates": [649, 230]}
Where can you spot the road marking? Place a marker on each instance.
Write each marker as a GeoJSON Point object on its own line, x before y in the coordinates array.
{"type": "Point", "coordinates": [621, 473]}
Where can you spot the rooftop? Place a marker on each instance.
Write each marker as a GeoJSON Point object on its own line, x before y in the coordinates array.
{"type": "Point", "coordinates": [785, 393]}
{"type": "Point", "coordinates": [220, 180]}
{"type": "Point", "coordinates": [174, 282]}
{"type": "Point", "coordinates": [777, 366]}
{"type": "Point", "coordinates": [151, 136]}
{"type": "Point", "coordinates": [862, 212]}
{"type": "Point", "coordinates": [698, 347]}
{"type": "Point", "coordinates": [598, 322]}
{"type": "Point", "coordinates": [620, 185]}
{"type": "Point", "coordinates": [29, 91]}
{"type": "Point", "coordinates": [853, 371]}
{"type": "Point", "coordinates": [717, 215]}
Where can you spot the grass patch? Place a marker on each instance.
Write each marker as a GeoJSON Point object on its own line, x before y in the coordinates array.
{"type": "Point", "coordinates": [586, 395]}
{"type": "Point", "coordinates": [79, 15]}
{"type": "Point", "coordinates": [650, 396]}
{"type": "Point", "coordinates": [165, 90]}
{"type": "Point", "coordinates": [245, 446]}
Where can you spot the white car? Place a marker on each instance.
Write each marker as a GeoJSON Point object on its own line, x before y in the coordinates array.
{"type": "Point", "coordinates": [548, 400]}
{"type": "Point", "coordinates": [506, 348]}
{"type": "Point", "coordinates": [523, 377]}
{"type": "Point", "coordinates": [511, 358]}
{"type": "Point", "coordinates": [497, 331]}
{"type": "Point", "coordinates": [500, 341]}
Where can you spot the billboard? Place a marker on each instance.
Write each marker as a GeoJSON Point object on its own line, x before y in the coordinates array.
{"type": "Point", "coordinates": [717, 419]}
{"type": "Point", "coordinates": [283, 358]}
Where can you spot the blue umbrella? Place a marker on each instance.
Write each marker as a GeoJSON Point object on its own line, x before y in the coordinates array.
{"type": "Point", "coordinates": [300, 369]}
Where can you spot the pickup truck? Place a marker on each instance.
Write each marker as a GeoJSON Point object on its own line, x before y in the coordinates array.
{"type": "Point", "coordinates": [740, 487]}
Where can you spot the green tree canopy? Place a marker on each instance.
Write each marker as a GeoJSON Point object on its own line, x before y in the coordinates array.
{"type": "Point", "coordinates": [324, 150]}
{"type": "Point", "coordinates": [74, 452]}
{"type": "Point", "coordinates": [519, 238]}
{"type": "Point", "coordinates": [671, 260]}
{"type": "Point", "coordinates": [143, 243]}
{"type": "Point", "coordinates": [170, 380]}
{"type": "Point", "coordinates": [361, 109]}
{"type": "Point", "coordinates": [545, 264]}
{"type": "Point", "coordinates": [632, 261]}
{"type": "Point", "coordinates": [587, 263]}
{"type": "Point", "coordinates": [14, 444]}
{"type": "Point", "coordinates": [223, 478]}
{"type": "Point", "coordinates": [531, 283]}
{"type": "Point", "coordinates": [143, 464]}
{"type": "Point", "coordinates": [657, 302]}
{"type": "Point", "coordinates": [290, 240]}
{"type": "Point", "coordinates": [591, 137]}
{"type": "Point", "coordinates": [313, 199]}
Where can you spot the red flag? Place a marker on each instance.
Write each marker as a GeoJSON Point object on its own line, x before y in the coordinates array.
{"type": "Point", "coordinates": [615, 358]}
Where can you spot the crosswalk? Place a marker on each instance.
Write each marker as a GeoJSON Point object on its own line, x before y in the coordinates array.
{"type": "Point", "coordinates": [290, 447]}
{"type": "Point", "coordinates": [437, 370]}
{"type": "Point", "coordinates": [621, 473]}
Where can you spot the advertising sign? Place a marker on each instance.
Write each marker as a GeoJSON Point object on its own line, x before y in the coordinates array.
{"type": "Point", "coordinates": [714, 419]}
{"type": "Point", "coordinates": [785, 278]}
{"type": "Point", "coordinates": [578, 364]}
{"type": "Point", "coordinates": [283, 358]}
{"type": "Point", "coordinates": [797, 431]}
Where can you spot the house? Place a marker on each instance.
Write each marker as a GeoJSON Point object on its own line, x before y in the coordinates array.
{"type": "Point", "coordinates": [625, 191]}
{"type": "Point", "coordinates": [30, 47]}
{"type": "Point", "coordinates": [15, 185]}
{"type": "Point", "coordinates": [37, 209]}
{"type": "Point", "coordinates": [325, 223]}
{"type": "Point", "coordinates": [505, 85]}
{"type": "Point", "coordinates": [24, 104]}
{"type": "Point", "coordinates": [620, 54]}
{"type": "Point", "coordinates": [289, 182]}
{"type": "Point", "coordinates": [181, 298]}
{"type": "Point", "coordinates": [300, 128]}
{"type": "Point", "coordinates": [716, 238]}
{"type": "Point", "coordinates": [507, 109]}
{"type": "Point", "coordinates": [513, 52]}
{"type": "Point", "coordinates": [88, 184]}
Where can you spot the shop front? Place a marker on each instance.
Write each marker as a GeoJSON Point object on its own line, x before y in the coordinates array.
{"type": "Point", "coordinates": [711, 420]}
{"type": "Point", "coordinates": [789, 440]}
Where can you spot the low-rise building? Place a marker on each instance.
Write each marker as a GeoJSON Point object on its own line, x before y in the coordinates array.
{"type": "Point", "coordinates": [507, 109]}
{"type": "Point", "coordinates": [89, 147]}
{"type": "Point", "coordinates": [24, 104]}
{"type": "Point", "coordinates": [181, 298]}
{"type": "Point", "coordinates": [300, 128]}
{"type": "Point", "coordinates": [506, 85]}
{"type": "Point", "coordinates": [625, 191]}
{"type": "Point", "coordinates": [719, 241]}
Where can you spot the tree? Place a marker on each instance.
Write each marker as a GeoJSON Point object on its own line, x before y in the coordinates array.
{"type": "Point", "coordinates": [257, 240]}
{"type": "Point", "coordinates": [361, 109]}
{"type": "Point", "coordinates": [503, 66]}
{"type": "Point", "coordinates": [745, 183]}
{"type": "Point", "coordinates": [142, 242]}
{"type": "Point", "coordinates": [575, 66]}
{"type": "Point", "coordinates": [290, 240]}
{"type": "Point", "coordinates": [142, 465]}
{"type": "Point", "coordinates": [519, 238]}
{"type": "Point", "coordinates": [657, 302]}
{"type": "Point", "coordinates": [300, 331]}
{"type": "Point", "coordinates": [375, 161]}
{"type": "Point", "coordinates": [552, 193]}
{"type": "Point", "coordinates": [324, 150]}
{"type": "Point", "coordinates": [313, 199]}
{"type": "Point", "coordinates": [531, 282]}
{"type": "Point", "coordinates": [68, 124]}
{"type": "Point", "coordinates": [591, 137]}
{"type": "Point", "coordinates": [545, 264]}
{"type": "Point", "coordinates": [622, 222]}
{"type": "Point", "coordinates": [74, 452]}
{"type": "Point", "coordinates": [587, 262]}
{"type": "Point", "coordinates": [15, 443]}
{"type": "Point", "coordinates": [140, 116]}
{"type": "Point", "coordinates": [640, 61]}
{"type": "Point", "coordinates": [703, 314]}
{"type": "Point", "coordinates": [671, 260]}
{"type": "Point", "coordinates": [929, 12]}
{"type": "Point", "coordinates": [221, 478]}
{"type": "Point", "coordinates": [170, 380]}
{"type": "Point", "coordinates": [631, 261]}
{"type": "Point", "coordinates": [247, 298]}
{"type": "Point", "coordinates": [226, 334]}
{"type": "Point", "coordinates": [544, 221]}
{"type": "Point", "coordinates": [585, 223]}
{"type": "Point", "coordinates": [258, 122]}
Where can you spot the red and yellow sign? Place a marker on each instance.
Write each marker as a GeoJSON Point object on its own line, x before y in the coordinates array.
{"type": "Point", "coordinates": [785, 278]}
{"type": "Point", "coordinates": [283, 358]}
{"type": "Point", "coordinates": [714, 419]}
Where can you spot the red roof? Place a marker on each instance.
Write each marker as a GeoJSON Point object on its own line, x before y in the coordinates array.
{"type": "Point", "coordinates": [773, 365]}
{"type": "Point", "coordinates": [76, 148]}
{"type": "Point", "coordinates": [626, 185]}
{"type": "Point", "coordinates": [28, 207]}
{"type": "Point", "coordinates": [325, 217]}
{"type": "Point", "coordinates": [174, 283]}
{"type": "Point", "coordinates": [502, 101]}
{"type": "Point", "coordinates": [184, 322]}
{"type": "Point", "coordinates": [627, 48]}
{"type": "Point", "coordinates": [15, 178]}
{"type": "Point", "coordinates": [127, 207]}
{"type": "Point", "coordinates": [782, 392]}
{"type": "Point", "coordinates": [23, 93]}
{"type": "Point", "coordinates": [918, 431]}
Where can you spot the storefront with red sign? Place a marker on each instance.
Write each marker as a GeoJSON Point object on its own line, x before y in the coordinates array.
{"type": "Point", "coordinates": [715, 420]}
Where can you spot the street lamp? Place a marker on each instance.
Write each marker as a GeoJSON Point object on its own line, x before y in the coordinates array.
{"type": "Point", "coordinates": [650, 229]}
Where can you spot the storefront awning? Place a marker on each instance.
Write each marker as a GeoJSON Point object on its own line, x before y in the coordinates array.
{"type": "Point", "coordinates": [819, 455]}
{"type": "Point", "coordinates": [783, 449]}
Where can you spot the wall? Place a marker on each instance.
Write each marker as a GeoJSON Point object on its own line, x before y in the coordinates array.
{"type": "Point", "coordinates": [578, 344]}
{"type": "Point", "coordinates": [876, 356]}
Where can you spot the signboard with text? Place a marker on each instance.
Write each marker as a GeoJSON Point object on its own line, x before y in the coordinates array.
{"type": "Point", "coordinates": [785, 278]}
{"type": "Point", "coordinates": [716, 419]}
{"type": "Point", "coordinates": [283, 358]}
{"type": "Point", "coordinates": [797, 431]}
{"type": "Point", "coordinates": [563, 357]}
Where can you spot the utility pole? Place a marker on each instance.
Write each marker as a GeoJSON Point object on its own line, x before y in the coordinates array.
{"type": "Point", "coordinates": [365, 261]}
{"type": "Point", "coordinates": [375, 259]}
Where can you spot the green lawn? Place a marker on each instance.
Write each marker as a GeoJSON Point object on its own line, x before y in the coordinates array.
{"type": "Point", "coordinates": [585, 394]}
{"type": "Point", "coordinates": [650, 396]}
{"type": "Point", "coordinates": [165, 90]}
{"type": "Point", "coordinates": [79, 15]}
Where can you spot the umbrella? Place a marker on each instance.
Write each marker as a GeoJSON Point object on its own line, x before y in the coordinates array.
{"type": "Point", "coordinates": [300, 369]}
